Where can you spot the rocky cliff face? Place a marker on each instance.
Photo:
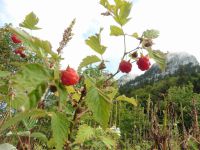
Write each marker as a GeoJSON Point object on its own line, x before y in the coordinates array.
{"type": "Point", "coordinates": [174, 61]}
{"type": "Point", "coordinates": [126, 78]}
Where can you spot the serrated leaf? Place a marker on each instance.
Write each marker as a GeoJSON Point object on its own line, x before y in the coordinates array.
{"type": "Point", "coordinates": [116, 31]}
{"type": "Point", "coordinates": [127, 99]}
{"type": "Point", "coordinates": [40, 136]}
{"type": "Point", "coordinates": [88, 60]}
{"type": "Point", "coordinates": [26, 81]}
{"type": "Point", "coordinates": [99, 104]}
{"type": "Point", "coordinates": [125, 10]}
{"type": "Point", "coordinates": [85, 133]}
{"type": "Point", "coordinates": [151, 34]}
{"type": "Point", "coordinates": [108, 141]}
{"type": "Point", "coordinates": [159, 57]}
{"type": "Point", "coordinates": [60, 127]}
{"type": "Point", "coordinates": [36, 113]}
{"type": "Point", "coordinates": [30, 22]}
{"type": "Point", "coordinates": [94, 42]}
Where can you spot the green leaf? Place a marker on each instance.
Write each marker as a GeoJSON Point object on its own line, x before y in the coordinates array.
{"type": "Point", "coordinates": [151, 34]}
{"type": "Point", "coordinates": [127, 99]}
{"type": "Point", "coordinates": [28, 80]}
{"type": "Point", "coordinates": [159, 57]}
{"type": "Point", "coordinates": [62, 91]}
{"type": "Point", "coordinates": [116, 31]}
{"type": "Point", "coordinates": [30, 22]}
{"type": "Point", "coordinates": [108, 141]}
{"type": "Point", "coordinates": [4, 74]}
{"type": "Point", "coordinates": [94, 42]}
{"type": "Point", "coordinates": [60, 127]}
{"type": "Point", "coordinates": [88, 60]}
{"type": "Point", "coordinates": [36, 95]}
{"type": "Point", "coordinates": [85, 133]}
{"type": "Point", "coordinates": [99, 104]}
{"type": "Point", "coordinates": [125, 10]}
{"type": "Point", "coordinates": [40, 136]}
{"type": "Point", "coordinates": [135, 35]}
{"type": "Point", "coordinates": [36, 113]}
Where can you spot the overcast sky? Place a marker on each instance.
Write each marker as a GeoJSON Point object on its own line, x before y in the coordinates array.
{"type": "Point", "coordinates": [177, 21]}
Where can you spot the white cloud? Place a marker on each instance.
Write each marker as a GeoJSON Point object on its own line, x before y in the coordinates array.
{"type": "Point", "coordinates": [177, 21]}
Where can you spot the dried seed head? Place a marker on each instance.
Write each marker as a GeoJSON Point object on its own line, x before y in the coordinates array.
{"type": "Point", "coordinates": [67, 36]}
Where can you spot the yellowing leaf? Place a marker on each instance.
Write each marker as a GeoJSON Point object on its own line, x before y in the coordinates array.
{"type": "Point", "coordinates": [135, 35]}
{"type": "Point", "coordinates": [127, 99]}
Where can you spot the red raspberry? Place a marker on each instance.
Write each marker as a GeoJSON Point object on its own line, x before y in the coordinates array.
{"type": "Point", "coordinates": [69, 76]}
{"type": "Point", "coordinates": [125, 66]}
{"type": "Point", "coordinates": [20, 51]}
{"type": "Point", "coordinates": [143, 63]}
{"type": "Point", "coordinates": [15, 39]}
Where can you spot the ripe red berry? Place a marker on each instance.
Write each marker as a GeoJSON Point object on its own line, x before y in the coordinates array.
{"type": "Point", "coordinates": [143, 63]}
{"type": "Point", "coordinates": [125, 66]}
{"type": "Point", "coordinates": [69, 76]}
{"type": "Point", "coordinates": [15, 39]}
{"type": "Point", "coordinates": [20, 51]}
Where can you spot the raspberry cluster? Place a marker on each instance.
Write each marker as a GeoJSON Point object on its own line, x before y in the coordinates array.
{"type": "Point", "coordinates": [20, 50]}
{"type": "Point", "coordinates": [143, 64]}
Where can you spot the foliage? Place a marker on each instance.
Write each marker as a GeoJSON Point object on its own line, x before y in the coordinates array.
{"type": "Point", "coordinates": [40, 108]}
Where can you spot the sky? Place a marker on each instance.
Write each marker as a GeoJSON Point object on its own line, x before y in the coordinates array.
{"type": "Point", "coordinates": [177, 21]}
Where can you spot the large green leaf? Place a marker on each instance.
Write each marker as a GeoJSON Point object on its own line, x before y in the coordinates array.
{"type": "Point", "coordinates": [151, 34]}
{"type": "Point", "coordinates": [116, 31]}
{"type": "Point", "coordinates": [94, 42]}
{"type": "Point", "coordinates": [30, 22]}
{"type": "Point", "coordinates": [159, 57]}
{"type": "Point", "coordinates": [127, 99]}
{"type": "Point", "coordinates": [27, 82]}
{"type": "Point", "coordinates": [99, 104]}
{"type": "Point", "coordinates": [36, 113]}
{"type": "Point", "coordinates": [85, 133]}
{"type": "Point", "coordinates": [88, 60]}
{"type": "Point", "coordinates": [60, 129]}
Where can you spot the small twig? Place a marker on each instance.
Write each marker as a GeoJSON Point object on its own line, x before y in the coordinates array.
{"type": "Point", "coordinates": [112, 75]}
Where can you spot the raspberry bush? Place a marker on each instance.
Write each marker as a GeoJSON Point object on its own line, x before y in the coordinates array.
{"type": "Point", "coordinates": [67, 109]}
